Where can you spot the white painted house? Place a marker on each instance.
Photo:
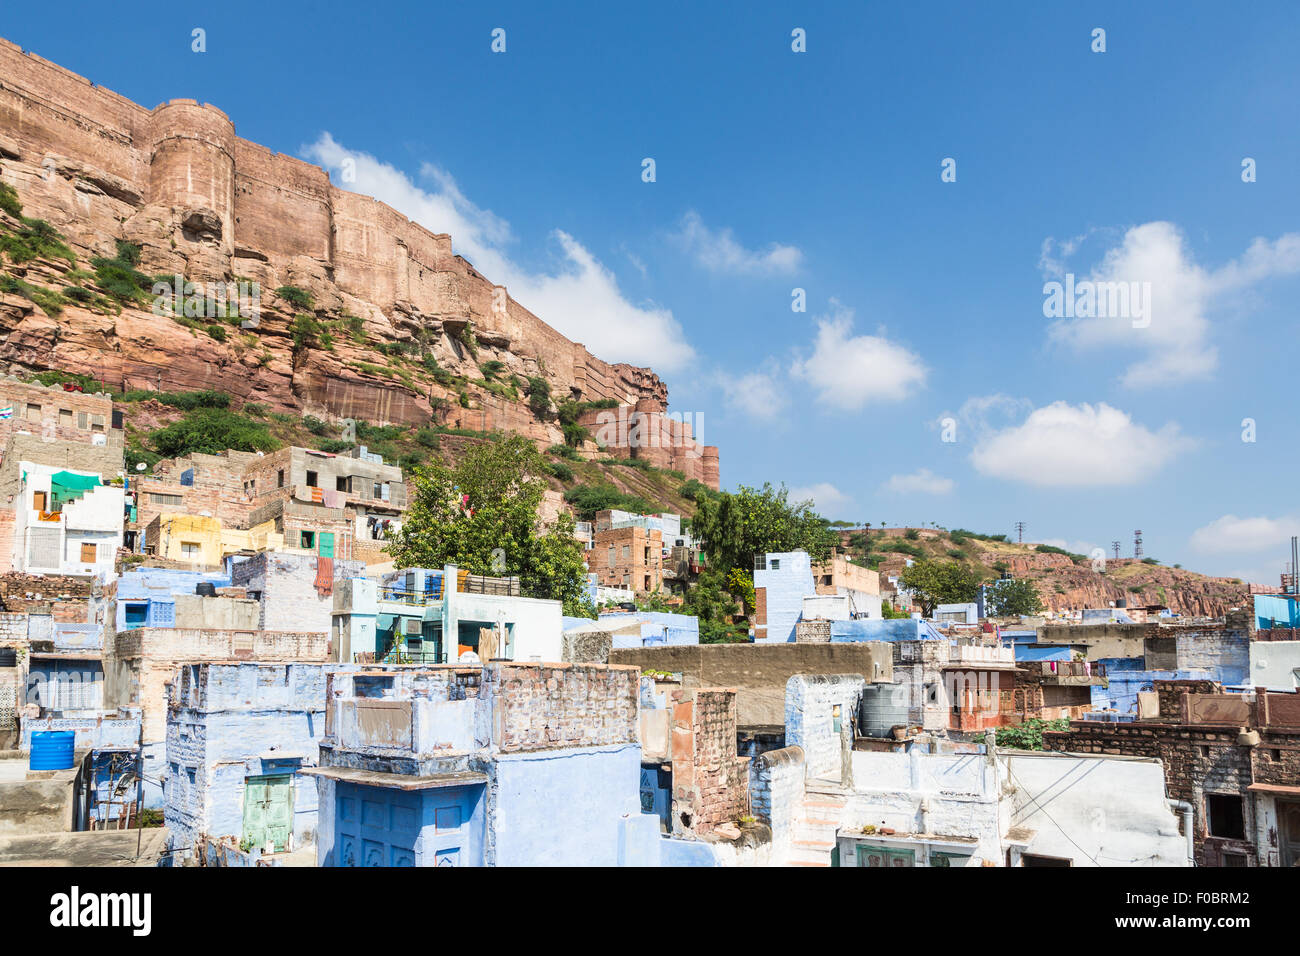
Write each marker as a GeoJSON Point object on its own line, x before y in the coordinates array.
{"type": "Point", "coordinates": [66, 522]}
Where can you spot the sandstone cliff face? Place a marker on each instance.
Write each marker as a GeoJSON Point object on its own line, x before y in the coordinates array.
{"type": "Point", "coordinates": [206, 205]}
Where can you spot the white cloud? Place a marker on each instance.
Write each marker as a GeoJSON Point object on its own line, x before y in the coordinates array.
{"type": "Point", "coordinates": [826, 498]}
{"type": "Point", "coordinates": [922, 481]}
{"type": "Point", "coordinates": [1065, 445]}
{"type": "Point", "coordinates": [757, 394]}
{"type": "Point", "coordinates": [1231, 533]}
{"type": "Point", "coordinates": [849, 371]}
{"type": "Point", "coordinates": [1176, 345]}
{"type": "Point", "coordinates": [718, 251]}
{"type": "Point", "coordinates": [581, 298]}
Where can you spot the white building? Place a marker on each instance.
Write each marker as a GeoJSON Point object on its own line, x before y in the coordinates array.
{"type": "Point", "coordinates": [66, 522]}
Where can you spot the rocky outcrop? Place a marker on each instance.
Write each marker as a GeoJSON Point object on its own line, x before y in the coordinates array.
{"type": "Point", "coordinates": [404, 326]}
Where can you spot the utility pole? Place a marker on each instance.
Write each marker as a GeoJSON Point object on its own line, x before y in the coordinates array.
{"type": "Point", "coordinates": [1020, 532]}
{"type": "Point", "coordinates": [1137, 545]}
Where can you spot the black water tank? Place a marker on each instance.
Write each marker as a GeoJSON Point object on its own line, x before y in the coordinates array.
{"type": "Point", "coordinates": [8, 657]}
{"type": "Point", "coordinates": [205, 589]}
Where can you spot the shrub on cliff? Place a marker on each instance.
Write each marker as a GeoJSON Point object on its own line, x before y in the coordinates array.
{"type": "Point", "coordinates": [9, 201]}
{"type": "Point", "coordinates": [118, 276]}
{"type": "Point", "coordinates": [296, 297]}
{"type": "Point", "coordinates": [211, 431]}
{"type": "Point", "coordinates": [35, 239]}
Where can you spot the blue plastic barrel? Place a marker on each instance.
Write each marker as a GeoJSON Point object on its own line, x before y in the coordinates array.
{"type": "Point", "coordinates": [52, 750]}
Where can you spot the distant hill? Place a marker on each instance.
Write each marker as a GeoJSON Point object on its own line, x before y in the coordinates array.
{"type": "Point", "coordinates": [1065, 581]}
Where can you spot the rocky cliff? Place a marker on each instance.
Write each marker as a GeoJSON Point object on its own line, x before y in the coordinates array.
{"type": "Point", "coordinates": [380, 320]}
{"type": "Point", "coordinates": [1065, 582]}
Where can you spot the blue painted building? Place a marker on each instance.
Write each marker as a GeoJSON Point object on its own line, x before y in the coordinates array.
{"type": "Point", "coordinates": [503, 765]}
{"type": "Point", "coordinates": [884, 629]}
{"type": "Point", "coordinates": [1277, 610]}
{"type": "Point", "coordinates": [781, 581]}
{"type": "Point", "coordinates": [657, 628]}
{"type": "Point", "coordinates": [146, 597]}
{"type": "Point", "coordinates": [238, 735]}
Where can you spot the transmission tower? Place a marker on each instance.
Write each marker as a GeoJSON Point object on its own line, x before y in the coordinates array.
{"type": "Point", "coordinates": [1114, 546]}
{"type": "Point", "coordinates": [1020, 532]}
{"type": "Point", "coordinates": [1137, 544]}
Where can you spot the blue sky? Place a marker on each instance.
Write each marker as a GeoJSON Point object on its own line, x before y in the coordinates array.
{"type": "Point", "coordinates": [820, 170]}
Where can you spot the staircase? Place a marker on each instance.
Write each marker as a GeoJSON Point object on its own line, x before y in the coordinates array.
{"type": "Point", "coordinates": [815, 826]}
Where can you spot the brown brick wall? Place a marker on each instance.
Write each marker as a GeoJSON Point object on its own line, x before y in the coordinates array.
{"type": "Point", "coordinates": [710, 782]}
{"type": "Point", "coordinates": [644, 562]}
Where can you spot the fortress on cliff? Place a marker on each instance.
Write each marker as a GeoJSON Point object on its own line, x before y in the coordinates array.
{"type": "Point", "coordinates": [201, 201]}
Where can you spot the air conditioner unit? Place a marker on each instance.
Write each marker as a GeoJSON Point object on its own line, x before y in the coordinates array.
{"type": "Point", "coordinates": [412, 625]}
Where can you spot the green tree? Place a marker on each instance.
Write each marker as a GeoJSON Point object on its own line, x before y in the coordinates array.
{"type": "Point", "coordinates": [940, 582]}
{"type": "Point", "coordinates": [482, 516]}
{"type": "Point", "coordinates": [1012, 597]}
{"type": "Point", "coordinates": [734, 527]}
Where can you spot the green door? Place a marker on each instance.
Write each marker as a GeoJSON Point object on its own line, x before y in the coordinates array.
{"type": "Point", "coordinates": [885, 856]}
{"type": "Point", "coordinates": [327, 544]}
{"type": "Point", "coordinates": [268, 811]}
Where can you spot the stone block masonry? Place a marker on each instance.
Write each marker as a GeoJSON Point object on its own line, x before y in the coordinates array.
{"type": "Point", "coordinates": [551, 706]}
{"type": "Point", "coordinates": [710, 782]}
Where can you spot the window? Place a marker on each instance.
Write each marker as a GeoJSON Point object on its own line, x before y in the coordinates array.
{"type": "Point", "coordinates": [166, 499]}
{"type": "Point", "coordinates": [88, 553]}
{"type": "Point", "coordinates": [343, 483]}
{"type": "Point", "coordinates": [38, 500]}
{"type": "Point", "coordinates": [309, 540]}
{"type": "Point", "coordinates": [312, 481]}
{"type": "Point", "coordinates": [33, 412]}
{"type": "Point", "coordinates": [627, 552]}
{"type": "Point", "coordinates": [760, 562]}
{"type": "Point", "coordinates": [279, 478]}
{"type": "Point", "coordinates": [378, 490]}
{"type": "Point", "coordinates": [1223, 813]}
{"type": "Point", "coordinates": [96, 423]}
{"type": "Point", "coordinates": [776, 564]}
{"type": "Point", "coordinates": [190, 549]}
{"type": "Point", "coordinates": [65, 418]}
{"type": "Point", "coordinates": [83, 420]}
{"type": "Point", "coordinates": [611, 555]}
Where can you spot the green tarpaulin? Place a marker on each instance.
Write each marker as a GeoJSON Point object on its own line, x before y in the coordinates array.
{"type": "Point", "coordinates": [65, 487]}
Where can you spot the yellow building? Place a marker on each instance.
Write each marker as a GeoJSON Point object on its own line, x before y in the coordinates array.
{"type": "Point", "coordinates": [202, 541]}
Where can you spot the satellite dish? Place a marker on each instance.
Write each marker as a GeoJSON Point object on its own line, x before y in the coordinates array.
{"type": "Point", "coordinates": [139, 466]}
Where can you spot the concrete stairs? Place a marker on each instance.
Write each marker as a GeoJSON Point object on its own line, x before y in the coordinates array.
{"type": "Point", "coordinates": [815, 826]}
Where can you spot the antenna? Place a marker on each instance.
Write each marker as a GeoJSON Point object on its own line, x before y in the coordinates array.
{"type": "Point", "coordinates": [1137, 544]}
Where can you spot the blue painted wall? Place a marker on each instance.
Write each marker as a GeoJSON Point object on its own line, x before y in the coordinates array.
{"type": "Point", "coordinates": [883, 629]}
{"type": "Point", "coordinates": [786, 588]}
{"type": "Point", "coordinates": [1128, 675]}
{"type": "Point", "coordinates": [658, 628]}
{"type": "Point", "coordinates": [563, 807]}
{"type": "Point", "coordinates": [1276, 610]}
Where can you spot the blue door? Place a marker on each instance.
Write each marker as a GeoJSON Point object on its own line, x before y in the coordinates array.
{"type": "Point", "coordinates": [380, 827]}
{"type": "Point", "coordinates": [375, 827]}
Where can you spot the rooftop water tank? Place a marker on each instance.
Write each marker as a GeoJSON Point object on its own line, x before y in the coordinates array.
{"type": "Point", "coordinates": [882, 708]}
{"type": "Point", "coordinates": [52, 750]}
